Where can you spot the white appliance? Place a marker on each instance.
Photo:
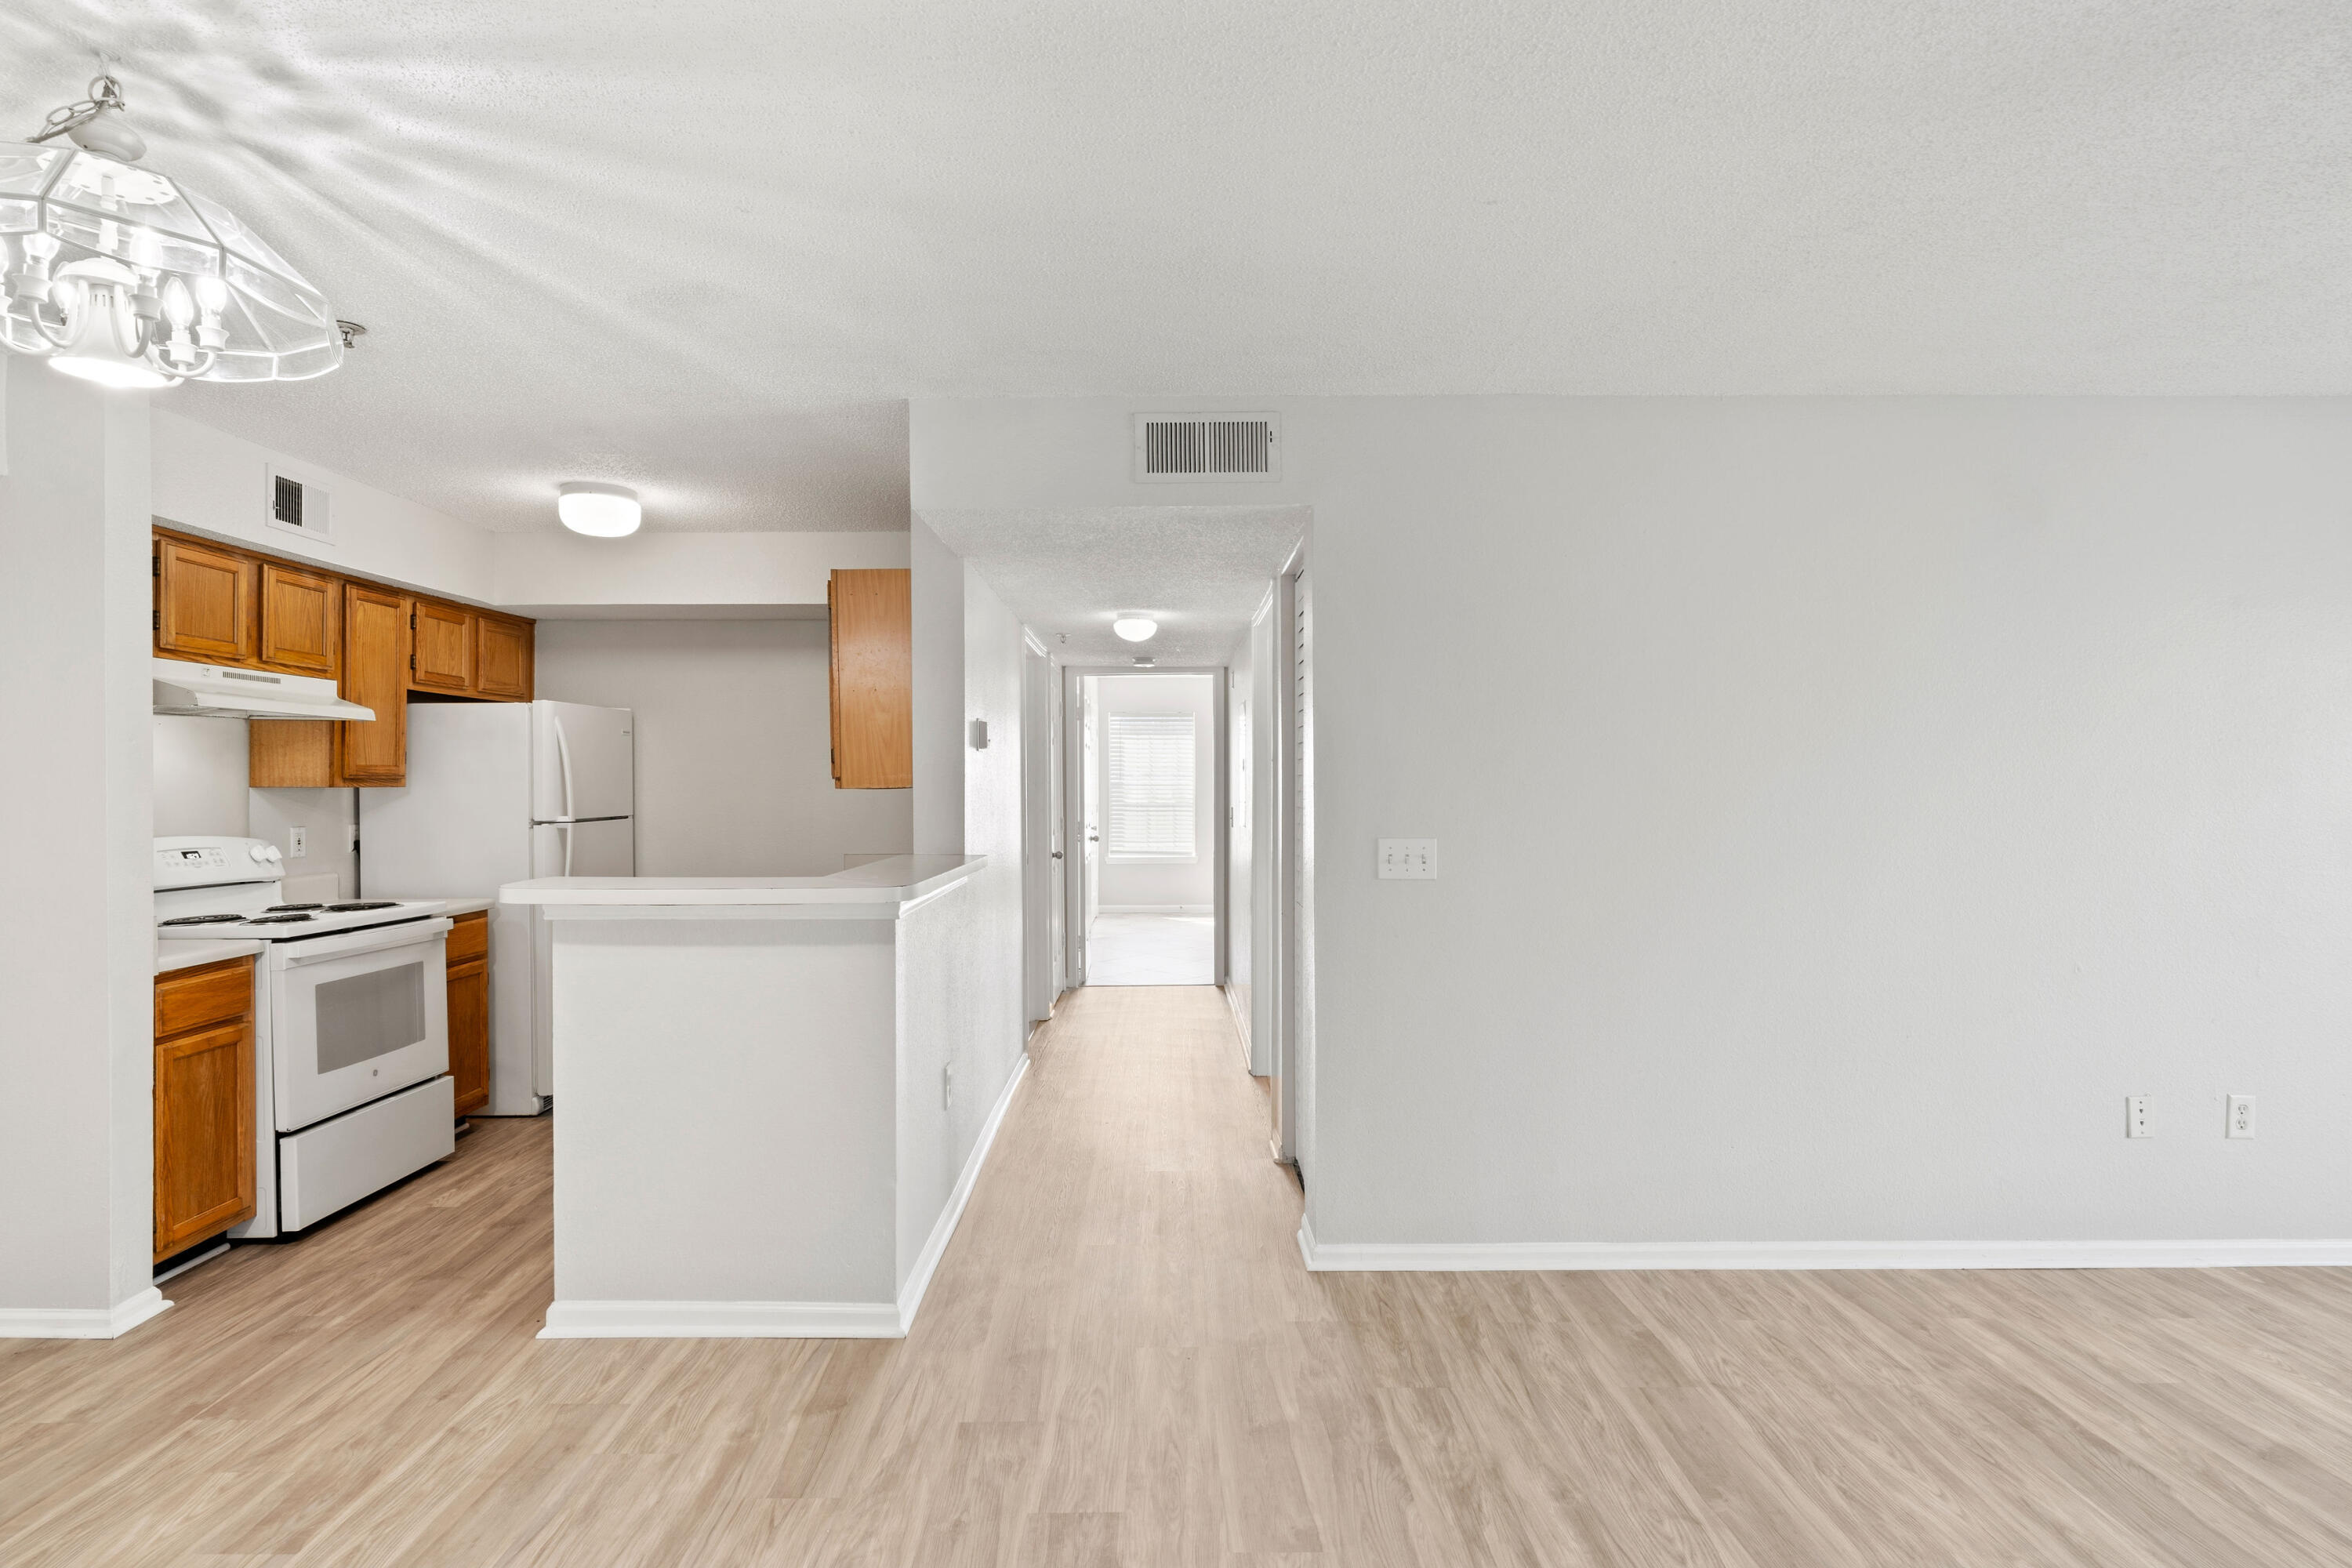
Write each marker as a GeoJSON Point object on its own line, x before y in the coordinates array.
{"type": "Point", "coordinates": [499, 793]}
{"type": "Point", "coordinates": [351, 1026]}
{"type": "Point", "coordinates": [221, 691]}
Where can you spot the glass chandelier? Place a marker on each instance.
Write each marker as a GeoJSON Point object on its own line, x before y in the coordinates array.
{"type": "Point", "coordinates": [125, 276]}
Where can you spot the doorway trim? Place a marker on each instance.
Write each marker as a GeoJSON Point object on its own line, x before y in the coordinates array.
{"type": "Point", "coordinates": [1074, 826]}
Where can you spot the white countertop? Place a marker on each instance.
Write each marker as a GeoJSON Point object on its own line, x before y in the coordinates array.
{"type": "Point", "coordinates": [897, 878]}
{"type": "Point", "coordinates": [187, 952]}
{"type": "Point", "coordinates": [457, 906]}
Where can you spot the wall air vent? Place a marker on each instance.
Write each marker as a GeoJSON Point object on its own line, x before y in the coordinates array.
{"type": "Point", "coordinates": [294, 505]}
{"type": "Point", "coordinates": [1190, 449]}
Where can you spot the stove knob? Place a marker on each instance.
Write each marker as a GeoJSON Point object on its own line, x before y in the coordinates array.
{"type": "Point", "coordinates": [260, 851]}
{"type": "Point", "coordinates": [271, 850]}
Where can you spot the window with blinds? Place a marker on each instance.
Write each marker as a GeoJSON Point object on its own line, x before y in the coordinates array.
{"type": "Point", "coordinates": [1152, 786]}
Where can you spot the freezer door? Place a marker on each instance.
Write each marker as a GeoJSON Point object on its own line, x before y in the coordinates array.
{"type": "Point", "coordinates": [584, 849]}
{"type": "Point", "coordinates": [583, 761]}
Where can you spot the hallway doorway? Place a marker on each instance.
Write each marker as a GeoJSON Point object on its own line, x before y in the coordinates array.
{"type": "Point", "coordinates": [1145, 893]}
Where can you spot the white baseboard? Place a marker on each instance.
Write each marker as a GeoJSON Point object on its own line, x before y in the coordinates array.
{"type": "Point", "coordinates": [722, 1320]}
{"type": "Point", "coordinates": [1154, 909]}
{"type": "Point", "coordinates": [81, 1322]}
{"type": "Point", "coordinates": [1241, 1026]}
{"type": "Point", "coordinates": [1548, 1256]}
{"type": "Point", "coordinates": [790, 1320]}
{"type": "Point", "coordinates": [919, 1278]}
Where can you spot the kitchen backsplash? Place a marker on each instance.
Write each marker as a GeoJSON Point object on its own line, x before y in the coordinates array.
{"type": "Point", "coordinates": [201, 771]}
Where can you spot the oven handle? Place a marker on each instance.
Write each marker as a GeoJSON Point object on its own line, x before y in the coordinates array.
{"type": "Point", "coordinates": [412, 934]}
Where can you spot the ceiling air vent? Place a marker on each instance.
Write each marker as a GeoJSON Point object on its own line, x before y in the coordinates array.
{"type": "Point", "coordinates": [1177, 448]}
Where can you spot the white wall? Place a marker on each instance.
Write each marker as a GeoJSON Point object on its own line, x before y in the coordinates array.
{"type": "Point", "coordinates": [1842, 805]}
{"type": "Point", "coordinates": [201, 767]}
{"type": "Point", "coordinates": [733, 735]}
{"type": "Point", "coordinates": [937, 589]}
{"type": "Point", "coordinates": [562, 571]}
{"type": "Point", "coordinates": [327, 818]}
{"type": "Point", "coordinates": [77, 932]}
{"type": "Point", "coordinates": [1162, 884]}
{"type": "Point", "coordinates": [216, 483]}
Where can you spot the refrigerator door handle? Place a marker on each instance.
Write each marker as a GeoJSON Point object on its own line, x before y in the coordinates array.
{"type": "Point", "coordinates": [562, 761]}
{"type": "Point", "coordinates": [565, 829]}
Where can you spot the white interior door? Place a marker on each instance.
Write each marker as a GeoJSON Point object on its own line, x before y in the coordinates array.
{"type": "Point", "coordinates": [1090, 808]}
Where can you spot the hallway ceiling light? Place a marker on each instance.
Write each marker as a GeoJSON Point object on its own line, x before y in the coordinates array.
{"type": "Point", "coordinates": [601, 512]}
{"type": "Point", "coordinates": [125, 276]}
{"type": "Point", "coordinates": [1134, 627]}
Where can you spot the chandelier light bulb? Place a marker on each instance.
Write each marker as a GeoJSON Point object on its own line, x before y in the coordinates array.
{"type": "Point", "coordinates": [601, 511]}
{"type": "Point", "coordinates": [100, 259]}
{"type": "Point", "coordinates": [1133, 627]}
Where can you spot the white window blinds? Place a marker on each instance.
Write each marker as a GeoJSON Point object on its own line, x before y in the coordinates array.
{"type": "Point", "coordinates": [1152, 786]}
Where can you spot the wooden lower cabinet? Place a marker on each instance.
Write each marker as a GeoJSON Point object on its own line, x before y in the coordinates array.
{"type": "Point", "coordinates": [469, 1010]}
{"type": "Point", "coordinates": [203, 1103]}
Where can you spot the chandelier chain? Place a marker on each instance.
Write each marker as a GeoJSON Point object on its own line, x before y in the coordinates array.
{"type": "Point", "coordinates": [105, 93]}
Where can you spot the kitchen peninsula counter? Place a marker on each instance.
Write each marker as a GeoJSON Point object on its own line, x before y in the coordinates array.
{"type": "Point", "coordinates": [767, 1114]}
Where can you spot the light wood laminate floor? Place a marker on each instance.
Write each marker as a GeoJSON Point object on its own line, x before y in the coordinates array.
{"type": "Point", "coordinates": [1123, 1362]}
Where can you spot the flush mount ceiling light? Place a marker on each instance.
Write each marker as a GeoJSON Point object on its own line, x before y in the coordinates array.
{"type": "Point", "coordinates": [1134, 627]}
{"type": "Point", "coordinates": [125, 276]}
{"type": "Point", "coordinates": [605, 511]}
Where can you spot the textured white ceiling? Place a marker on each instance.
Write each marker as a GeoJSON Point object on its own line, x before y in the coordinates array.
{"type": "Point", "coordinates": [1200, 571]}
{"type": "Point", "coordinates": [706, 247]}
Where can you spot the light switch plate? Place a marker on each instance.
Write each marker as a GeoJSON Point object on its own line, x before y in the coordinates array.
{"type": "Point", "coordinates": [1408, 860]}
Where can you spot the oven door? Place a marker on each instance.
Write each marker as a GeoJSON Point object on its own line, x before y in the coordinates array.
{"type": "Point", "coordinates": [355, 1016]}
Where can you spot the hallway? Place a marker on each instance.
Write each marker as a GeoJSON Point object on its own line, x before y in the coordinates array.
{"type": "Point", "coordinates": [1122, 1361]}
{"type": "Point", "coordinates": [1134, 948]}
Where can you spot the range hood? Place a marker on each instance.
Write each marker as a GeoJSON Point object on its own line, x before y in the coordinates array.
{"type": "Point", "coordinates": [219, 691]}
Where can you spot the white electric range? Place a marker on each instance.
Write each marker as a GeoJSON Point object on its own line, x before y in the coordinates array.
{"type": "Point", "coordinates": [351, 1026]}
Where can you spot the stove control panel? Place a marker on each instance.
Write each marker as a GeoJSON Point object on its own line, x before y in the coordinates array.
{"type": "Point", "coordinates": [199, 862]}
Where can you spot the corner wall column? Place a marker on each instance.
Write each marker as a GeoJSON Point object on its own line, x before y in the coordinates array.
{"type": "Point", "coordinates": [76, 937]}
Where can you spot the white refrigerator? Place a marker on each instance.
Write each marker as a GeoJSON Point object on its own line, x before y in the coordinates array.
{"type": "Point", "coordinates": [499, 793]}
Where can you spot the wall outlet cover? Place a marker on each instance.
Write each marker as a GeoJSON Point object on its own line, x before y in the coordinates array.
{"type": "Point", "coordinates": [298, 843]}
{"type": "Point", "coordinates": [2136, 1117]}
{"type": "Point", "coordinates": [2242, 1116]}
{"type": "Point", "coordinates": [1408, 860]}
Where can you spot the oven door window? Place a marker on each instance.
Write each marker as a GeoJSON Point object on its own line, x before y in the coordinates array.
{"type": "Point", "coordinates": [363, 1016]}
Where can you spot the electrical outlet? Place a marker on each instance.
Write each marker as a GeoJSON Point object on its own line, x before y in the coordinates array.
{"type": "Point", "coordinates": [2136, 1122]}
{"type": "Point", "coordinates": [1409, 859]}
{"type": "Point", "coordinates": [298, 843]}
{"type": "Point", "coordinates": [2242, 1116]}
{"type": "Point", "coordinates": [947, 1087]}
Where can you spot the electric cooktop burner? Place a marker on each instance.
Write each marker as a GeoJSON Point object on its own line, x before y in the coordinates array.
{"type": "Point", "coordinates": [200, 919]}
{"type": "Point", "coordinates": [289, 908]}
{"type": "Point", "coordinates": [276, 919]}
{"type": "Point", "coordinates": [372, 904]}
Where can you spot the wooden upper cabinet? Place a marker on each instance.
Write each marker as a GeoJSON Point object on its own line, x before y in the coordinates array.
{"type": "Point", "coordinates": [873, 679]}
{"type": "Point", "coordinates": [503, 657]}
{"type": "Point", "coordinates": [301, 620]}
{"type": "Point", "coordinates": [375, 673]}
{"type": "Point", "coordinates": [441, 654]}
{"type": "Point", "coordinates": [204, 602]}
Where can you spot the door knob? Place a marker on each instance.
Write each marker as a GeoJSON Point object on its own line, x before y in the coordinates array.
{"type": "Point", "coordinates": [1057, 855]}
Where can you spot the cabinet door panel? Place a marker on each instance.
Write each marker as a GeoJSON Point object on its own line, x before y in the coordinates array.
{"type": "Point", "coordinates": [375, 672]}
{"type": "Point", "coordinates": [873, 679]}
{"type": "Point", "coordinates": [441, 657]}
{"type": "Point", "coordinates": [204, 602]}
{"type": "Point", "coordinates": [502, 659]}
{"type": "Point", "coordinates": [470, 1034]}
{"type": "Point", "coordinates": [204, 1135]}
{"type": "Point", "coordinates": [301, 620]}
